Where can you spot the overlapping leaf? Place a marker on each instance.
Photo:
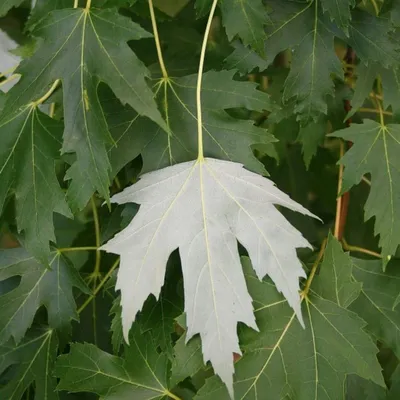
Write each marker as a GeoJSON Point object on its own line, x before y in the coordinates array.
{"type": "Point", "coordinates": [304, 27]}
{"type": "Point", "coordinates": [78, 51]}
{"type": "Point", "coordinates": [375, 152]}
{"type": "Point", "coordinates": [244, 59]}
{"type": "Point", "coordinates": [225, 137]}
{"type": "Point", "coordinates": [378, 295]}
{"type": "Point", "coordinates": [339, 11]}
{"type": "Point", "coordinates": [141, 374]}
{"type": "Point", "coordinates": [371, 38]}
{"type": "Point", "coordinates": [336, 269]}
{"type": "Point", "coordinates": [188, 359]}
{"type": "Point", "coordinates": [366, 76]}
{"type": "Point", "coordinates": [51, 287]}
{"type": "Point", "coordinates": [43, 7]}
{"type": "Point", "coordinates": [29, 145]}
{"type": "Point", "coordinates": [6, 5]}
{"type": "Point", "coordinates": [8, 62]}
{"type": "Point", "coordinates": [245, 19]}
{"type": "Point", "coordinates": [30, 361]}
{"type": "Point", "coordinates": [286, 360]}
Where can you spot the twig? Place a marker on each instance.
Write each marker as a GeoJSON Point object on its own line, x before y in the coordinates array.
{"type": "Point", "coordinates": [357, 249]}
{"type": "Point", "coordinates": [339, 197]}
{"type": "Point", "coordinates": [314, 270]}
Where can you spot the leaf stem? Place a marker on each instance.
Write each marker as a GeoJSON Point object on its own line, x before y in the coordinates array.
{"type": "Point", "coordinates": [374, 110]}
{"type": "Point", "coordinates": [9, 79]}
{"type": "Point", "coordinates": [88, 4]}
{"type": "Point", "coordinates": [46, 95]}
{"type": "Point", "coordinates": [8, 71]}
{"type": "Point", "coordinates": [357, 249]}
{"type": "Point", "coordinates": [199, 80]}
{"type": "Point", "coordinates": [367, 181]}
{"type": "Point", "coordinates": [76, 3]}
{"type": "Point", "coordinates": [173, 396]}
{"type": "Point", "coordinates": [314, 269]}
{"type": "Point", "coordinates": [98, 288]}
{"type": "Point", "coordinates": [375, 5]}
{"type": "Point", "coordinates": [339, 197]}
{"type": "Point", "coordinates": [97, 233]}
{"type": "Point", "coordinates": [374, 95]}
{"type": "Point", "coordinates": [71, 249]}
{"type": "Point", "coordinates": [52, 110]}
{"type": "Point", "coordinates": [157, 40]}
{"type": "Point", "coordinates": [381, 117]}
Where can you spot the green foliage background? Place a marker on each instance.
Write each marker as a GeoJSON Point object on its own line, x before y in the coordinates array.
{"type": "Point", "coordinates": [306, 92]}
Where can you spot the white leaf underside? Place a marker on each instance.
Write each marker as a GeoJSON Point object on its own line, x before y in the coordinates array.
{"type": "Point", "coordinates": [203, 208]}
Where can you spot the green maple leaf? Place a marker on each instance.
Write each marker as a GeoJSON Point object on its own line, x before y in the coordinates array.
{"type": "Point", "coordinates": [375, 152]}
{"type": "Point", "coordinates": [378, 294]}
{"type": "Point", "coordinates": [337, 285]}
{"type": "Point", "coordinates": [394, 391]}
{"type": "Point", "coordinates": [29, 145]}
{"type": "Point", "coordinates": [141, 374]}
{"type": "Point", "coordinates": [395, 13]}
{"type": "Point", "coordinates": [371, 38]}
{"type": "Point", "coordinates": [51, 287]}
{"type": "Point", "coordinates": [303, 27]}
{"type": "Point", "coordinates": [158, 315]}
{"type": "Point", "coordinates": [244, 59]}
{"type": "Point", "coordinates": [362, 389]}
{"type": "Point", "coordinates": [117, 337]}
{"type": "Point", "coordinates": [286, 360]}
{"type": "Point", "coordinates": [43, 8]}
{"type": "Point", "coordinates": [245, 19]}
{"type": "Point", "coordinates": [188, 357]}
{"type": "Point", "coordinates": [225, 137]}
{"type": "Point", "coordinates": [311, 136]}
{"type": "Point", "coordinates": [30, 361]}
{"type": "Point", "coordinates": [366, 76]}
{"type": "Point", "coordinates": [339, 11]}
{"type": "Point", "coordinates": [6, 5]}
{"type": "Point", "coordinates": [78, 51]}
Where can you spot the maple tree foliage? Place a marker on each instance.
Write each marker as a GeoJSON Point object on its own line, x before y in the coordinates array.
{"type": "Point", "coordinates": [200, 199]}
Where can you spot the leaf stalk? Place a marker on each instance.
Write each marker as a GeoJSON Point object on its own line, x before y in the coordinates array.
{"type": "Point", "coordinates": [173, 396]}
{"type": "Point", "coordinates": [374, 110]}
{"type": "Point", "coordinates": [157, 40]}
{"type": "Point", "coordinates": [357, 249]}
{"type": "Point", "coordinates": [71, 249]}
{"type": "Point", "coordinates": [314, 268]}
{"type": "Point", "coordinates": [9, 79]}
{"type": "Point", "coordinates": [97, 234]}
{"type": "Point", "coordinates": [46, 95]}
{"type": "Point", "coordinates": [199, 81]}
